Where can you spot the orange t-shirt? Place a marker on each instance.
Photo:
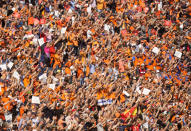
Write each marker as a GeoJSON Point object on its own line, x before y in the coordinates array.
{"type": "Point", "coordinates": [26, 82]}
{"type": "Point", "coordinates": [80, 72]}
{"type": "Point", "coordinates": [21, 111]}
{"type": "Point", "coordinates": [57, 62]}
{"type": "Point", "coordinates": [68, 64]}
{"type": "Point", "coordinates": [8, 105]}
{"type": "Point", "coordinates": [99, 95]}
{"type": "Point", "coordinates": [111, 96]}
{"type": "Point", "coordinates": [75, 43]}
{"type": "Point", "coordinates": [68, 71]}
{"type": "Point", "coordinates": [87, 70]}
{"type": "Point", "coordinates": [122, 98]}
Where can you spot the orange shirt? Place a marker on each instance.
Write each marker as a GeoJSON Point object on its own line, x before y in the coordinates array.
{"type": "Point", "coordinates": [57, 62]}
{"type": "Point", "coordinates": [111, 96]}
{"type": "Point", "coordinates": [22, 98]}
{"type": "Point", "coordinates": [122, 98]}
{"type": "Point", "coordinates": [140, 61]}
{"type": "Point", "coordinates": [26, 82]}
{"type": "Point", "coordinates": [69, 43]}
{"type": "Point", "coordinates": [21, 111]}
{"type": "Point", "coordinates": [68, 64]}
{"type": "Point", "coordinates": [75, 43]}
{"type": "Point", "coordinates": [87, 70]}
{"type": "Point", "coordinates": [99, 95]}
{"type": "Point", "coordinates": [68, 71]}
{"type": "Point", "coordinates": [8, 105]}
{"type": "Point", "coordinates": [80, 72]}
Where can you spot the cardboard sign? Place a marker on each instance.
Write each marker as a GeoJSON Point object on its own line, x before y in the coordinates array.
{"type": "Point", "coordinates": [89, 34]}
{"type": "Point", "coordinates": [56, 13]}
{"type": "Point", "coordinates": [155, 50]}
{"type": "Point", "coordinates": [102, 102]}
{"type": "Point", "coordinates": [178, 54]}
{"type": "Point", "coordinates": [70, 11]}
{"type": "Point", "coordinates": [54, 79]}
{"type": "Point", "coordinates": [106, 28]}
{"type": "Point", "coordinates": [10, 65]}
{"type": "Point", "coordinates": [73, 19]}
{"type": "Point", "coordinates": [181, 26]}
{"type": "Point", "coordinates": [8, 117]}
{"type": "Point", "coordinates": [138, 90]}
{"type": "Point", "coordinates": [160, 6]}
{"type": "Point", "coordinates": [63, 30]}
{"type": "Point", "coordinates": [146, 125]}
{"type": "Point", "coordinates": [28, 36]}
{"type": "Point", "coordinates": [43, 76]}
{"type": "Point", "coordinates": [52, 86]}
{"type": "Point", "coordinates": [16, 75]}
{"type": "Point", "coordinates": [13, 9]}
{"type": "Point", "coordinates": [35, 40]}
{"type": "Point", "coordinates": [3, 67]}
{"type": "Point", "coordinates": [125, 92]}
{"type": "Point", "coordinates": [89, 10]}
{"type": "Point", "coordinates": [146, 91]}
{"type": "Point", "coordinates": [35, 100]}
{"type": "Point", "coordinates": [41, 41]}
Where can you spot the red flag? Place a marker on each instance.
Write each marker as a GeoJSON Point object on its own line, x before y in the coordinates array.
{"type": "Point", "coordinates": [127, 113]}
{"type": "Point", "coordinates": [42, 21]}
{"type": "Point", "coordinates": [167, 23]}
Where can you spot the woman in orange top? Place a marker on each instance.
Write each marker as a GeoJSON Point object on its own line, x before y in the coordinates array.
{"type": "Point", "coordinates": [26, 81]}
{"type": "Point", "coordinates": [67, 71]}
{"type": "Point", "coordinates": [80, 72]}
{"type": "Point", "coordinates": [6, 101]}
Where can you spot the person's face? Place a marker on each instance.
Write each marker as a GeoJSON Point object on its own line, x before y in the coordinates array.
{"type": "Point", "coordinates": [24, 116]}
{"type": "Point", "coordinates": [29, 114]}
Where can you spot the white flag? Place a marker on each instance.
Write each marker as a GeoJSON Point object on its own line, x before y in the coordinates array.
{"type": "Point", "coordinates": [35, 100]}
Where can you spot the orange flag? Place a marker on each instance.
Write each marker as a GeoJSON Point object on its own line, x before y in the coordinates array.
{"type": "Point", "coordinates": [127, 113]}
{"type": "Point", "coordinates": [30, 20]}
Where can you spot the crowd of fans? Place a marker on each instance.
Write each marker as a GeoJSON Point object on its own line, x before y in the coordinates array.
{"type": "Point", "coordinates": [95, 65]}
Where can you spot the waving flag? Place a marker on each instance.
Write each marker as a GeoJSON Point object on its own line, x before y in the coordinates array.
{"type": "Point", "coordinates": [129, 113]}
